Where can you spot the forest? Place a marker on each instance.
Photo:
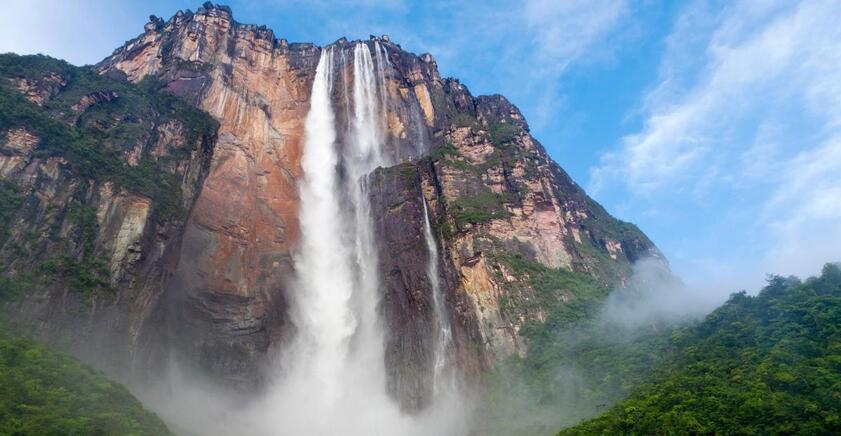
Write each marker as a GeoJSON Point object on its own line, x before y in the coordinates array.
{"type": "Point", "coordinates": [758, 365]}
{"type": "Point", "coordinates": [50, 393]}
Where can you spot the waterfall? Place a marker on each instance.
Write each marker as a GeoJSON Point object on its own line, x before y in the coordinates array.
{"type": "Point", "coordinates": [444, 336]}
{"type": "Point", "coordinates": [365, 147]}
{"type": "Point", "coordinates": [325, 274]}
{"type": "Point", "coordinates": [363, 153]}
{"type": "Point", "coordinates": [382, 56]}
{"type": "Point", "coordinates": [334, 371]}
{"type": "Point", "coordinates": [333, 376]}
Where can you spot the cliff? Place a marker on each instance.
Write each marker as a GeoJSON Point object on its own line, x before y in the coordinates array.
{"type": "Point", "coordinates": [98, 177]}
{"type": "Point", "coordinates": [210, 285]}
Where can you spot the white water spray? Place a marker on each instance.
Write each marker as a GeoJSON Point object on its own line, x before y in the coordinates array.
{"type": "Point", "coordinates": [324, 321]}
{"type": "Point", "coordinates": [316, 363]}
{"type": "Point", "coordinates": [362, 154]}
{"type": "Point", "coordinates": [334, 378]}
{"type": "Point", "coordinates": [382, 57]}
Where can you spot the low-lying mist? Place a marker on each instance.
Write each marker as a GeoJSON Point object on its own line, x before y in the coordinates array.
{"type": "Point", "coordinates": [191, 405]}
{"type": "Point", "coordinates": [569, 374]}
{"type": "Point", "coordinates": [577, 371]}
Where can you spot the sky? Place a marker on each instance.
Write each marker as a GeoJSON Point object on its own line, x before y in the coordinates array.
{"type": "Point", "coordinates": [715, 126]}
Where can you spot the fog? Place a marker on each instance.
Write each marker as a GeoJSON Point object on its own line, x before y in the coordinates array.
{"type": "Point", "coordinates": [193, 406]}
{"type": "Point", "coordinates": [655, 295]}
{"type": "Point", "coordinates": [651, 304]}
{"type": "Point", "coordinates": [652, 301]}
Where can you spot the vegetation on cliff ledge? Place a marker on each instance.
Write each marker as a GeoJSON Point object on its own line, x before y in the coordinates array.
{"type": "Point", "coordinates": [565, 296]}
{"type": "Point", "coordinates": [43, 392]}
{"type": "Point", "coordinates": [91, 120]}
{"type": "Point", "coordinates": [479, 208]}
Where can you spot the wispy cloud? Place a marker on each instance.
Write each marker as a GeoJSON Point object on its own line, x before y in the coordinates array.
{"type": "Point", "coordinates": [749, 100]}
{"type": "Point", "coordinates": [526, 47]}
{"type": "Point", "coordinates": [566, 31]}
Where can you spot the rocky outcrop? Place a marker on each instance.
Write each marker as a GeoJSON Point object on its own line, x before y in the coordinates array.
{"type": "Point", "coordinates": [407, 305]}
{"type": "Point", "coordinates": [41, 89]}
{"type": "Point", "coordinates": [17, 148]}
{"type": "Point", "coordinates": [93, 98]}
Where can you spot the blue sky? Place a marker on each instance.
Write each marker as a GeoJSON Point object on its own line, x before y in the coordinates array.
{"type": "Point", "coordinates": [713, 125]}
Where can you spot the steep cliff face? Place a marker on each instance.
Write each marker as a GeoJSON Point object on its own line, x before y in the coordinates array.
{"type": "Point", "coordinates": [230, 288]}
{"type": "Point", "coordinates": [98, 176]}
{"type": "Point", "coordinates": [501, 195]}
{"type": "Point", "coordinates": [213, 284]}
{"type": "Point", "coordinates": [228, 293]}
{"type": "Point", "coordinates": [397, 194]}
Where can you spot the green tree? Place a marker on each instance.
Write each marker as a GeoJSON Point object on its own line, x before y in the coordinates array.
{"type": "Point", "coordinates": [48, 393]}
{"type": "Point", "coordinates": [765, 364]}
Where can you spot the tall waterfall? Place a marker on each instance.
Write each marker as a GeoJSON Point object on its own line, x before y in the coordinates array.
{"type": "Point", "coordinates": [333, 375]}
{"type": "Point", "coordinates": [324, 320]}
{"type": "Point", "coordinates": [362, 154]}
{"type": "Point", "coordinates": [442, 322]}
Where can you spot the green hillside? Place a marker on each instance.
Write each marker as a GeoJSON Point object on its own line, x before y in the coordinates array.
{"type": "Point", "coordinates": [761, 365]}
{"type": "Point", "coordinates": [43, 392]}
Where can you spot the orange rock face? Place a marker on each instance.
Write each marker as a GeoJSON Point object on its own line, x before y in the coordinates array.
{"type": "Point", "coordinates": [235, 256]}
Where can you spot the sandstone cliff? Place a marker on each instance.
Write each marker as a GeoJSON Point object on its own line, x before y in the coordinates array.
{"type": "Point", "coordinates": [211, 286]}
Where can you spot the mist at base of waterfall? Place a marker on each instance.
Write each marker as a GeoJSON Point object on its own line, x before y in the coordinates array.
{"type": "Point", "coordinates": [191, 405]}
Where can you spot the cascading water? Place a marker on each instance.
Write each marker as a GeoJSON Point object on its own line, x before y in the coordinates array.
{"type": "Point", "coordinates": [440, 378]}
{"type": "Point", "coordinates": [334, 378]}
{"type": "Point", "coordinates": [324, 320]}
{"type": "Point", "coordinates": [382, 56]}
{"type": "Point", "coordinates": [362, 154]}
{"type": "Point", "coordinates": [334, 373]}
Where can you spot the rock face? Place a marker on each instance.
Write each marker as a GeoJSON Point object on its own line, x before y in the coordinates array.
{"type": "Point", "coordinates": [227, 295]}
{"type": "Point", "coordinates": [211, 286]}
{"type": "Point", "coordinates": [407, 306]}
{"type": "Point", "coordinates": [97, 177]}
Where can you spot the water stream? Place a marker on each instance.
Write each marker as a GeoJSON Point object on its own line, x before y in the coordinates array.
{"type": "Point", "coordinates": [441, 379]}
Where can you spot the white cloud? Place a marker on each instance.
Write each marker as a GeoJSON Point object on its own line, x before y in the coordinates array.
{"type": "Point", "coordinates": [804, 213]}
{"type": "Point", "coordinates": [566, 30]}
{"type": "Point", "coordinates": [749, 98]}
